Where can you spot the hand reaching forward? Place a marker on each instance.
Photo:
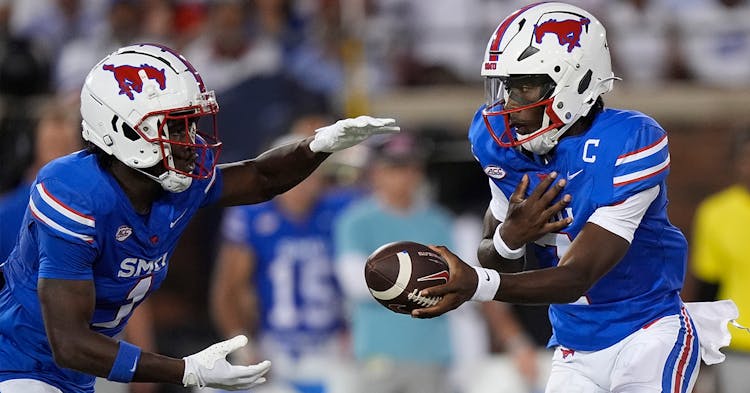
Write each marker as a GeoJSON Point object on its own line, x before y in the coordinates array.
{"type": "Point", "coordinates": [460, 287]}
{"type": "Point", "coordinates": [210, 367]}
{"type": "Point", "coordinates": [349, 132]}
{"type": "Point", "coordinates": [528, 219]}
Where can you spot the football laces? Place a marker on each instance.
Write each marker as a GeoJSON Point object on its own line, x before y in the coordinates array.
{"type": "Point", "coordinates": [423, 301]}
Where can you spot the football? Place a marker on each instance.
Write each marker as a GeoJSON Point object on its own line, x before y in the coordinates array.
{"type": "Point", "coordinates": [396, 272]}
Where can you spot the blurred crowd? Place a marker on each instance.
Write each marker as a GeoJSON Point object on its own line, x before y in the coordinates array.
{"type": "Point", "coordinates": [313, 55]}
{"type": "Point", "coordinates": [275, 63]}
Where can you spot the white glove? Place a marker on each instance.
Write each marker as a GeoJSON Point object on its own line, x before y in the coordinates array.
{"type": "Point", "coordinates": [210, 367]}
{"type": "Point", "coordinates": [348, 132]}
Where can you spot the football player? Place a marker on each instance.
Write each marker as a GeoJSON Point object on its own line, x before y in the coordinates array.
{"type": "Point", "coordinates": [102, 223]}
{"type": "Point", "coordinates": [584, 188]}
{"type": "Point", "coordinates": [274, 278]}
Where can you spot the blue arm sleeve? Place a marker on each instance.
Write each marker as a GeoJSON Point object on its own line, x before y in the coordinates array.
{"type": "Point", "coordinates": [62, 259]}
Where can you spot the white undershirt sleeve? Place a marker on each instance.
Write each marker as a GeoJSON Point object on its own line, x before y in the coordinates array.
{"type": "Point", "coordinates": [624, 218]}
{"type": "Point", "coordinates": [499, 202]}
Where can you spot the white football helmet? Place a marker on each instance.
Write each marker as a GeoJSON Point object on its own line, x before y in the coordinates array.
{"type": "Point", "coordinates": [557, 40]}
{"type": "Point", "coordinates": [132, 97]}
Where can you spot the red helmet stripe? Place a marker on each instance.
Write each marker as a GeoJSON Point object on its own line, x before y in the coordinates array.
{"type": "Point", "coordinates": [504, 26]}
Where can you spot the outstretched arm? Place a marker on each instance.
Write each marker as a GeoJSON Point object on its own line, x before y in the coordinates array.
{"type": "Point", "coordinates": [601, 244]}
{"type": "Point", "coordinates": [67, 308]}
{"type": "Point", "coordinates": [594, 252]}
{"type": "Point", "coordinates": [278, 170]}
{"type": "Point", "coordinates": [272, 173]}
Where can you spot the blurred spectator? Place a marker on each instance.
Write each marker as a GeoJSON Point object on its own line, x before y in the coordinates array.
{"type": "Point", "coordinates": [394, 352]}
{"type": "Point", "coordinates": [188, 19]}
{"type": "Point", "coordinates": [719, 260]}
{"type": "Point", "coordinates": [159, 22]}
{"type": "Point", "coordinates": [229, 52]}
{"type": "Point", "coordinates": [125, 25]}
{"type": "Point", "coordinates": [54, 23]}
{"type": "Point", "coordinates": [415, 43]}
{"type": "Point", "coordinates": [24, 77]}
{"type": "Point", "coordinates": [715, 41]}
{"type": "Point", "coordinates": [260, 109]}
{"type": "Point", "coordinates": [316, 62]}
{"type": "Point", "coordinates": [57, 134]}
{"type": "Point", "coordinates": [646, 49]}
{"type": "Point", "coordinates": [482, 328]}
{"type": "Point", "coordinates": [274, 278]}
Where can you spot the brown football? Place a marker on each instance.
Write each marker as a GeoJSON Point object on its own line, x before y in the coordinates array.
{"type": "Point", "coordinates": [396, 272]}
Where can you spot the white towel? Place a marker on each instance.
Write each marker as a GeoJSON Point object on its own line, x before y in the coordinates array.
{"type": "Point", "coordinates": [711, 319]}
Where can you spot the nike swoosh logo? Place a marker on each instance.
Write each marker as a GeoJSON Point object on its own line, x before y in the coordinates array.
{"type": "Point", "coordinates": [135, 363]}
{"type": "Point", "coordinates": [173, 223]}
{"type": "Point", "coordinates": [574, 174]}
{"type": "Point", "coordinates": [488, 276]}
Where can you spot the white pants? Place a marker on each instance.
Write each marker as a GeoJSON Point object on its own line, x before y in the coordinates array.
{"type": "Point", "coordinates": [663, 356]}
{"type": "Point", "coordinates": [27, 386]}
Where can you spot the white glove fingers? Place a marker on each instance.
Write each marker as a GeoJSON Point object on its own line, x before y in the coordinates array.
{"type": "Point", "coordinates": [386, 130]}
{"type": "Point", "coordinates": [254, 371]}
{"type": "Point", "coordinates": [383, 122]}
{"type": "Point", "coordinates": [248, 385]}
{"type": "Point", "coordinates": [250, 381]}
{"type": "Point", "coordinates": [225, 347]}
{"type": "Point", "coordinates": [260, 368]}
{"type": "Point", "coordinates": [367, 121]}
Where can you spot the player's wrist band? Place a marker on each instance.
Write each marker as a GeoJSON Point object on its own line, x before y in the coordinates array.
{"type": "Point", "coordinates": [503, 249]}
{"type": "Point", "coordinates": [125, 363]}
{"type": "Point", "coordinates": [488, 282]}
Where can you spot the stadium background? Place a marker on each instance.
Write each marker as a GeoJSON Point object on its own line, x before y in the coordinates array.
{"type": "Point", "coordinates": [685, 63]}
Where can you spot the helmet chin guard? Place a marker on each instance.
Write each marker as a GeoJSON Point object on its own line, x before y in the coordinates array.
{"type": "Point", "coordinates": [559, 41]}
{"type": "Point", "coordinates": [142, 104]}
{"type": "Point", "coordinates": [170, 180]}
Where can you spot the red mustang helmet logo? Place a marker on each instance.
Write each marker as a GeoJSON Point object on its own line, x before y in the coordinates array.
{"type": "Point", "coordinates": [129, 81]}
{"type": "Point", "coordinates": [568, 32]}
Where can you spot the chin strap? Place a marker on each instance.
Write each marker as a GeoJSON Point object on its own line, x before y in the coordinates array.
{"type": "Point", "coordinates": [170, 180]}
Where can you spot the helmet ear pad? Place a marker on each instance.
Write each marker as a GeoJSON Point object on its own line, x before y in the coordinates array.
{"type": "Point", "coordinates": [130, 94]}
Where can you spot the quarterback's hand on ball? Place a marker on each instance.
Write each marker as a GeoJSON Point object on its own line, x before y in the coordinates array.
{"type": "Point", "coordinates": [349, 132]}
{"type": "Point", "coordinates": [460, 287]}
{"type": "Point", "coordinates": [210, 367]}
{"type": "Point", "coordinates": [528, 219]}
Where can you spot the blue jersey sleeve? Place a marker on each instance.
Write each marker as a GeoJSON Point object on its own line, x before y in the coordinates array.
{"type": "Point", "coordinates": [63, 212]}
{"type": "Point", "coordinates": [67, 230]}
{"type": "Point", "coordinates": [642, 163]}
{"type": "Point", "coordinates": [61, 259]}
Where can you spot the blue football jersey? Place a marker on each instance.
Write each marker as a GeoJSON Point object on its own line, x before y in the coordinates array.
{"type": "Point", "coordinates": [622, 154]}
{"type": "Point", "coordinates": [80, 225]}
{"type": "Point", "coordinates": [12, 206]}
{"type": "Point", "coordinates": [299, 298]}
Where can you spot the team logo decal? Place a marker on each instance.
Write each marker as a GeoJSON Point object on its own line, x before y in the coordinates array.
{"type": "Point", "coordinates": [130, 81]}
{"type": "Point", "coordinates": [441, 275]}
{"type": "Point", "coordinates": [568, 32]}
{"type": "Point", "coordinates": [567, 352]}
{"type": "Point", "coordinates": [123, 232]}
{"type": "Point", "coordinates": [494, 171]}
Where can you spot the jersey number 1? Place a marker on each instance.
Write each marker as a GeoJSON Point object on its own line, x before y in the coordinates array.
{"type": "Point", "coordinates": [134, 296]}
